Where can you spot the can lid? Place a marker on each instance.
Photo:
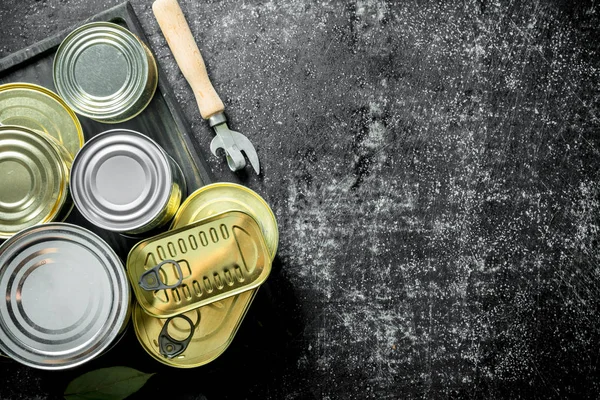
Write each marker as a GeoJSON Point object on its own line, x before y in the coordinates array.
{"type": "Point", "coordinates": [121, 180]}
{"type": "Point", "coordinates": [40, 109]}
{"type": "Point", "coordinates": [216, 258]}
{"type": "Point", "coordinates": [101, 70]}
{"type": "Point", "coordinates": [214, 325]}
{"type": "Point", "coordinates": [34, 172]}
{"type": "Point", "coordinates": [66, 296]}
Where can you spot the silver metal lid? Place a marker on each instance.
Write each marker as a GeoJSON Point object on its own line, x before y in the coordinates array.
{"type": "Point", "coordinates": [66, 296]}
{"type": "Point", "coordinates": [101, 70]}
{"type": "Point", "coordinates": [121, 180]}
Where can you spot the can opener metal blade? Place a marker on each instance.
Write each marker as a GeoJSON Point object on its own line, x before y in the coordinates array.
{"type": "Point", "coordinates": [176, 31]}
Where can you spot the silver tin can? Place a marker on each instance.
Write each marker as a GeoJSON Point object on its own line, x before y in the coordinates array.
{"type": "Point", "coordinates": [105, 72]}
{"type": "Point", "coordinates": [66, 298]}
{"type": "Point", "coordinates": [123, 181]}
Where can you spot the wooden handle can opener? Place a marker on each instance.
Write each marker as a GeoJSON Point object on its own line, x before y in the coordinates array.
{"type": "Point", "coordinates": [185, 50]}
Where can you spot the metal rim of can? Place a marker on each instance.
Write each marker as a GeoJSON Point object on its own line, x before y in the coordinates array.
{"type": "Point", "coordinates": [123, 181]}
{"type": "Point", "coordinates": [219, 197]}
{"type": "Point", "coordinates": [118, 90]}
{"type": "Point", "coordinates": [36, 168]}
{"type": "Point", "coordinates": [71, 139]}
{"type": "Point", "coordinates": [67, 296]}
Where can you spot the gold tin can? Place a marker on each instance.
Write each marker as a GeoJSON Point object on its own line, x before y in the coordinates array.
{"type": "Point", "coordinates": [66, 298]}
{"type": "Point", "coordinates": [220, 320]}
{"type": "Point", "coordinates": [123, 181]}
{"type": "Point", "coordinates": [40, 109]}
{"type": "Point", "coordinates": [211, 260]}
{"type": "Point", "coordinates": [105, 72]}
{"type": "Point", "coordinates": [34, 176]}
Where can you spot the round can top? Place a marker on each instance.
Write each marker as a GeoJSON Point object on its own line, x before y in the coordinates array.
{"type": "Point", "coordinates": [34, 172]}
{"type": "Point", "coordinates": [121, 180]}
{"type": "Point", "coordinates": [65, 296]}
{"type": "Point", "coordinates": [101, 70]}
{"type": "Point", "coordinates": [40, 109]}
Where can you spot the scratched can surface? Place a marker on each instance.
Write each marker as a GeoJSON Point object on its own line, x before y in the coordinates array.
{"type": "Point", "coordinates": [40, 109]}
{"type": "Point", "coordinates": [123, 181]}
{"type": "Point", "coordinates": [105, 72]}
{"type": "Point", "coordinates": [34, 176]}
{"type": "Point", "coordinates": [209, 328]}
{"type": "Point", "coordinates": [66, 298]}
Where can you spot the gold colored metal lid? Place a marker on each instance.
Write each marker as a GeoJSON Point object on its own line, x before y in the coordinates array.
{"type": "Point", "coordinates": [34, 176]}
{"type": "Point", "coordinates": [211, 260]}
{"type": "Point", "coordinates": [217, 198]}
{"type": "Point", "coordinates": [40, 109]}
{"type": "Point", "coordinates": [214, 325]}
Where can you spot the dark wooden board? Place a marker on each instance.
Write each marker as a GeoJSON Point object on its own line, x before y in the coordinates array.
{"type": "Point", "coordinates": [162, 120]}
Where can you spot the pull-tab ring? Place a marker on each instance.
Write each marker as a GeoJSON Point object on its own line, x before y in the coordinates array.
{"type": "Point", "coordinates": [150, 280]}
{"type": "Point", "coordinates": [170, 347]}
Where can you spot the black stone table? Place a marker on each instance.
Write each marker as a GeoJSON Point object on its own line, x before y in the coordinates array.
{"type": "Point", "coordinates": [434, 169]}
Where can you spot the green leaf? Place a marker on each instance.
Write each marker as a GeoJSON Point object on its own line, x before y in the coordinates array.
{"type": "Point", "coordinates": [115, 383]}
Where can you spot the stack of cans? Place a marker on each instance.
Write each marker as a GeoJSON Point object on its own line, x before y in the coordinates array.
{"type": "Point", "coordinates": [67, 294]}
{"type": "Point", "coordinates": [194, 283]}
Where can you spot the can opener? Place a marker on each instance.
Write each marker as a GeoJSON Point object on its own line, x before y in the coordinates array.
{"type": "Point", "coordinates": [176, 31]}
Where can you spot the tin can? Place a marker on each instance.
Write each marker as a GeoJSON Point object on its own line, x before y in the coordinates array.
{"type": "Point", "coordinates": [203, 277]}
{"type": "Point", "coordinates": [105, 72]}
{"type": "Point", "coordinates": [66, 298]}
{"type": "Point", "coordinates": [34, 171]}
{"type": "Point", "coordinates": [123, 181]}
{"type": "Point", "coordinates": [40, 109]}
{"type": "Point", "coordinates": [215, 324]}
{"type": "Point", "coordinates": [211, 260]}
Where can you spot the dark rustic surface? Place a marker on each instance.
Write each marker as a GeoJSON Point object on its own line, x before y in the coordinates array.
{"type": "Point", "coordinates": [434, 169]}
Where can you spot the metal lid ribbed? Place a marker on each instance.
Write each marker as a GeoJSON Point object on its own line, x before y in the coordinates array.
{"type": "Point", "coordinates": [34, 175]}
{"type": "Point", "coordinates": [65, 296]}
{"type": "Point", "coordinates": [121, 180]}
{"type": "Point", "coordinates": [101, 70]}
{"type": "Point", "coordinates": [208, 261]}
